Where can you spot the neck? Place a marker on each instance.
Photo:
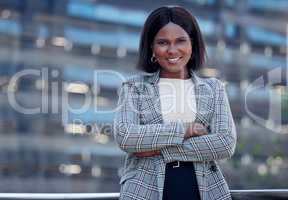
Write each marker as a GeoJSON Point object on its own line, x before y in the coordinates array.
{"type": "Point", "coordinates": [177, 75]}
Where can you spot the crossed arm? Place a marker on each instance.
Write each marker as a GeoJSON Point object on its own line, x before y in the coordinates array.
{"type": "Point", "coordinates": [171, 138]}
{"type": "Point", "coordinates": [191, 130]}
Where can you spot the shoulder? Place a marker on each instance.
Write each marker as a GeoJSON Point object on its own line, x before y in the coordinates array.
{"type": "Point", "coordinates": [136, 83]}
{"type": "Point", "coordinates": [138, 80]}
{"type": "Point", "coordinates": [134, 80]}
{"type": "Point", "coordinates": [213, 83]}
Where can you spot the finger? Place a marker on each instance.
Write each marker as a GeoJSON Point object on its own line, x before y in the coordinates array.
{"type": "Point", "coordinates": [199, 133]}
{"type": "Point", "coordinates": [147, 153]}
{"type": "Point", "coordinates": [198, 126]}
{"type": "Point", "coordinates": [203, 131]}
{"type": "Point", "coordinates": [200, 130]}
{"type": "Point", "coordinates": [141, 153]}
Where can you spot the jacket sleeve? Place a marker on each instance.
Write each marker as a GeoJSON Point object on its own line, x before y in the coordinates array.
{"type": "Point", "coordinates": [131, 136]}
{"type": "Point", "coordinates": [220, 143]}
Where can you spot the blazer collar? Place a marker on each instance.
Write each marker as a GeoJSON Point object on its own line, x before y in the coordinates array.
{"type": "Point", "coordinates": [154, 78]}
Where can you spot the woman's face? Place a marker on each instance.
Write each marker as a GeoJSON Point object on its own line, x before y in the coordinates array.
{"type": "Point", "coordinates": [172, 49]}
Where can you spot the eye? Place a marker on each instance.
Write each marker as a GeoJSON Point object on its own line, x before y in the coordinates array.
{"type": "Point", "coordinates": [182, 40]}
{"type": "Point", "coordinates": [162, 42]}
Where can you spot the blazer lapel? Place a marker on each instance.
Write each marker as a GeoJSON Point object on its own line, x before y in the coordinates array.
{"type": "Point", "coordinates": [204, 100]}
{"type": "Point", "coordinates": [154, 114]}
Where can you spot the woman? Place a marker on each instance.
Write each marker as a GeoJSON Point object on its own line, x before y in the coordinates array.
{"type": "Point", "coordinates": [173, 124]}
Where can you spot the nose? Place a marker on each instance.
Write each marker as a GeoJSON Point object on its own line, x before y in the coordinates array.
{"type": "Point", "coordinates": [172, 49]}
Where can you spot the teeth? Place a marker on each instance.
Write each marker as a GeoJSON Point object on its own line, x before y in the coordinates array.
{"type": "Point", "coordinates": [173, 60]}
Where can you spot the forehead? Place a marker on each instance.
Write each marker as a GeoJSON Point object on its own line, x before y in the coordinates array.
{"type": "Point", "coordinates": [171, 30]}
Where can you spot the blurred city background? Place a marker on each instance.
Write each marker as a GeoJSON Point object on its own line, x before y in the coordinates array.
{"type": "Point", "coordinates": [63, 52]}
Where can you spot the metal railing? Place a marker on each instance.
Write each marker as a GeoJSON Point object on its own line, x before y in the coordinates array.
{"type": "Point", "coordinates": [278, 194]}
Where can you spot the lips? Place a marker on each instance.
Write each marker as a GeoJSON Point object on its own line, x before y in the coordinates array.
{"type": "Point", "coordinates": [173, 60]}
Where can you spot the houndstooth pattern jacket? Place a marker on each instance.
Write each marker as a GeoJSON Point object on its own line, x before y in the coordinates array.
{"type": "Point", "coordinates": [139, 127]}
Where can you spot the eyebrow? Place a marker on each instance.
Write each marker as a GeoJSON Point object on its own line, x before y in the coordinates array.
{"type": "Point", "coordinates": [181, 37]}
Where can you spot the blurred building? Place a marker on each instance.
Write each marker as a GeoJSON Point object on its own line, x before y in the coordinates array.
{"type": "Point", "coordinates": [70, 57]}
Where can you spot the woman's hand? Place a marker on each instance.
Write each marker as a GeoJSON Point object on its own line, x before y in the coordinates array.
{"type": "Point", "coordinates": [147, 153]}
{"type": "Point", "coordinates": [195, 129]}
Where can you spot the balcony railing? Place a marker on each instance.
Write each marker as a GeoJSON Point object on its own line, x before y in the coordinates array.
{"type": "Point", "coordinates": [280, 194]}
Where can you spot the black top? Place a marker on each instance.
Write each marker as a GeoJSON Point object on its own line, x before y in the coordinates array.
{"type": "Point", "coordinates": [180, 182]}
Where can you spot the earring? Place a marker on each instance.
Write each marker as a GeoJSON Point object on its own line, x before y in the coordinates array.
{"type": "Point", "coordinates": [153, 58]}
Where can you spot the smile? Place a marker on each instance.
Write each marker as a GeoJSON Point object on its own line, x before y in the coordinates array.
{"type": "Point", "coordinates": [173, 60]}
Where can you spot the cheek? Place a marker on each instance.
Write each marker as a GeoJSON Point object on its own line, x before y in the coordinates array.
{"type": "Point", "coordinates": [159, 51]}
{"type": "Point", "coordinates": [187, 49]}
{"type": "Point", "coordinates": [187, 52]}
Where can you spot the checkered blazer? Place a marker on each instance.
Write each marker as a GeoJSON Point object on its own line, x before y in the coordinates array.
{"type": "Point", "coordinates": [139, 127]}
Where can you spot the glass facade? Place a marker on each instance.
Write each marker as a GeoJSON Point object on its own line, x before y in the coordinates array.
{"type": "Point", "coordinates": [62, 63]}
